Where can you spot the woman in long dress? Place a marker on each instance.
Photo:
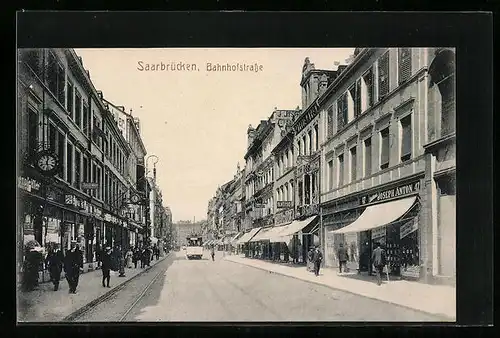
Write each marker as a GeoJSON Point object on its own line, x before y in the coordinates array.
{"type": "Point", "coordinates": [129, 258]}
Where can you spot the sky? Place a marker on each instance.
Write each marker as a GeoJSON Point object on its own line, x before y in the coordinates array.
{"type": "Point", "coordinates": [196, 121]}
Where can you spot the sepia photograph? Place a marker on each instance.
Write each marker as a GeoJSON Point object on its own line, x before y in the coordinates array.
{"type": "Point", "coordinates": [236, 184]}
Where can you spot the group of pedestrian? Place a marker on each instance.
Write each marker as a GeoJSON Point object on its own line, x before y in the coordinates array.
{"type": "Point", "coordinates": [71, 262]}
{"type": "Point", "coordinates": [314, 259]}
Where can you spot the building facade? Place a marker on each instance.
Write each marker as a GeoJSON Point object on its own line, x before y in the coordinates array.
{"type": "Point", "coordinates": [369, 159]}
{"type": "Point", "coordinates": [374, 162]}
{"type": "Point", "coordinates": [62, 116]}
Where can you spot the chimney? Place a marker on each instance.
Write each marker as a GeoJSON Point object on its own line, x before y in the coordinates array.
{"type": "Point", "coordinates": [323, 84]}
{"type": "Point", "coordinates": [251, 135]}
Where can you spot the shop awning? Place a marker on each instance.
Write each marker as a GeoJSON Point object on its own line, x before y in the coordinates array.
{"type": "Point", "coordinates": [260, 236]}
{"type": "Point", "coordinates": [379, 215]}
{"type": "Point", "coordinates": [248, 236]}
{"type": "Point", "coordinates": [267, 233]}
{"type": "Point", "coordinates": [313, 231]}
{"type": "Point", "coordinates": [233, 240]}
{"type": "Point", "coordinates": [291, 229]}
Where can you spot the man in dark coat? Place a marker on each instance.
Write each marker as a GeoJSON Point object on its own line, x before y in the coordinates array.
{"type": "Point", "coordinates": [54, 262]}
{"type": "Point", "coordinates": [73, 263]}
{"type": "Point", "coordinates": [343, 257]}
{"type": "Point", "coordinates": [136, 257]}
{"type": "Point", "coordinates": [317, 259]}
{"type": "Point", "coordinates": [157, 252]}
{"type": "Point", "coordinates": [107, 260]}
{"type": "Point", "coordinates": [379, 260]}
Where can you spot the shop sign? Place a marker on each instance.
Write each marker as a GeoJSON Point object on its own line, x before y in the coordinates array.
{"type": "Point", "coordinates": [411, 272]}
{"type": "Point", "coordinates": [28, 184]}
{"type": "Point", "coordinates": [399, 191]}
{"type": "Point", "coordinates": [111, 218]}
{"type": "Point", "coordinates": [408, 227]}
{"type": "Point", "coordinates": [52, 225]}
{"type": "Point", "coordinates": [90, 185]}
{"type": "Point", "coordinates": [284, 217]}
{"type": "Point", "coordinates": [284, 204]}
{"type": "Point", "coordinates": [378, 232]}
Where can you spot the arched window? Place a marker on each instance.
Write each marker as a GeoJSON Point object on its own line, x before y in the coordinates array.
{"type": "Point", "coordinates": [442, 73]}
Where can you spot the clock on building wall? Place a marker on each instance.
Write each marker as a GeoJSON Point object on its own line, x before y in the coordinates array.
{"type": "Point", "coordinates": [47, 162]}
{"type": "Point", "coordinates": [135, 198]}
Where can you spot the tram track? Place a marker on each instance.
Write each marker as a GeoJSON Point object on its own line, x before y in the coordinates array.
{"type": "Point", "coordinates": [157, 269]}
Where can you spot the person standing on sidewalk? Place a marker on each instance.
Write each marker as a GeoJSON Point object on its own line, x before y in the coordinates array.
{"type": "Point", "coordinates": [317, 258]}
{"type": "Point", "coordinates": [157, 253]}
{"type": "Point", "coordinates": [343, 257]}
{"type": "Point", "coordinates": [54, 261]}
{"type": "Point", "coordinates": [73, 263]}
{"type": "Point", "coordinates": [107, 260]}
{"type": "Point", "coordinates": [212, 253]}
{"type": "Point", "coordinates": [378, 259]}
{"type": "Point", "coordinates": [136, 257]}
{"type": "Point", "coordinates": [310, 256]}
{"type": "Point", "coordinates": [129, 258]}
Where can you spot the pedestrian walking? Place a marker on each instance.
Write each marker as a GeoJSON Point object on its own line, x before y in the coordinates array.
{"type": "Point", "coordinates": [143, 258]}
{"type": "Point", "coordinates": [343, 257]}
{"type": "Point", "coordinates": [136, 257]}
{"type": "Point", "coordinates": [107, 262]}
{"type": "Point", "coordinates": [310, 262]}
{"type": "Point", "coordinates": [129, 257]}
{"type": "Point", "coordinates": [379, 260]}
{"type": "Point", "coordinates": [157, 253]}
{"type": "Point", "coordinates": [73, 264]}
{"type": "Point", "coordinates": [54, 262]}
{"type": "Point", "coordinates": [317, 258]}
{"type": "Point", "coordinates": [212, 253]}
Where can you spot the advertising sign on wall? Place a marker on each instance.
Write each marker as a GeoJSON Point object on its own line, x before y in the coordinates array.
{"type": "Point", "coordinates": [399, 191]}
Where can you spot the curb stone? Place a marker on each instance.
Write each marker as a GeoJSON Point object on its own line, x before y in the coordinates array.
{"type": "Point", "coordinates": [442, 316]}
{"type": "Point", "coordinates": [109, 293]}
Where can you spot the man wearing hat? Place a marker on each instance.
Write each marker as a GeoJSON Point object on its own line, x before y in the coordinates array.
{"type": "Point", "coordinates": [317, 258]}
{"type": "Point", "coordinates": [106, 265]}
{"type": "Point", "coordinates": [73, 263]}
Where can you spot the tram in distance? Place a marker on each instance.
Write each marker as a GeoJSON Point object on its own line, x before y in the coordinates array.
{"type": "Point", "coordinates": [194, 247]}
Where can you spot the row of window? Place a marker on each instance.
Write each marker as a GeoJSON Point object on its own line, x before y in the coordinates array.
{"type": "Point", "coordinates": [285, 192]}
{"type": "Point", "coordinates": [308, 189]}
{"type": "Point", "coordinates": [362, 94]}
{"type": "Point", "coordinates": [309, 143]}
{"type": "Point", "coordinates": [76, 106]}
{"type": "Point", "coordinates": [336, 174]}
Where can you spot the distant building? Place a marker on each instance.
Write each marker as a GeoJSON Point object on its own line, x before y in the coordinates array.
{"type": "Point", "coordinates": [185, 229]}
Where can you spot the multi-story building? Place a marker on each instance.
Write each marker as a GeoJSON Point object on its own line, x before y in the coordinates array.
{"type": "Point", "coordinates": [135, 173]}
{"type": "Point", "coordinates": [62, 117]}
{"type": "Point", "coordinates": [374, 162]}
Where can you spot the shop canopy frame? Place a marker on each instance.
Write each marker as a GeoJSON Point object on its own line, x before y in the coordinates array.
{"type": "Point", "coordinates": [379, 215]}
{"type": "Point", "coordinates": [233, 240]}
{"type": "Point", "coordinates": [267, 233]}
{"type": "Point", "coordinates": [248, 236]}
{"type": "Point", "coordinates": [284, 236]}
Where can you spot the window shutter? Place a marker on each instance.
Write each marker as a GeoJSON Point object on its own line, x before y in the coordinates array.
{"type": "Point", "coordinates": [406, 136]}
{"type": "Point", "coordinates": [357, 99]}
{"type": "Point", "coordinates": [383, 75]}
{"type": "Point", "coordinates": [404, 64]}
{"type": "Point", "coordinates": [384, 154]}
{"type": "Point", "coordinates": [368, 156]}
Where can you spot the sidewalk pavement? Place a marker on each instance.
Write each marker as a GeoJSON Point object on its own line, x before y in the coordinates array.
{"type": "Point", "coordinates": [46, 305]}
{"type": "Point", "coordinates": [438, 300]}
